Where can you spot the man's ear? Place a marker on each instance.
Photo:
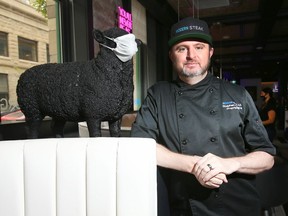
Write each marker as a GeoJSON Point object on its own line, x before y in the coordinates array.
{"type": "Point", "coordinates": [98, 36]}
{"type": "Point", "coordinates": [211, 51]}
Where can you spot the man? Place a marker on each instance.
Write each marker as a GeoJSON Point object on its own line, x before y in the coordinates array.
{"type": "Point", "coordinates": [209, 133]}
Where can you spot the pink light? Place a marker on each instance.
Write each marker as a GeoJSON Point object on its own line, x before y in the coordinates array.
{"type": "Point", "coordinates": [125, 20]}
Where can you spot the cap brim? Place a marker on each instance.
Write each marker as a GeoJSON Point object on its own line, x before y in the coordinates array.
{"type": "Point", "coordinates": [200, 37]}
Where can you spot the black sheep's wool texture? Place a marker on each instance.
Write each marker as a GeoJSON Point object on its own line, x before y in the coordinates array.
{"type": "Point", "coordinates": [101, 88]}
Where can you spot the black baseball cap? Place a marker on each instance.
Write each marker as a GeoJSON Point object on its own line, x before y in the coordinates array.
{"type": "Point", "coordinates": [190, 28]}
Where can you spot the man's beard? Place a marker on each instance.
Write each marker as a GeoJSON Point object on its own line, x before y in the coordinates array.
{"type": "Point", "coordinates": [187, 72]}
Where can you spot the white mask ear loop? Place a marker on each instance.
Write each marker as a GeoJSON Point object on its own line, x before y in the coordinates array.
{"type": "Point", "coordinates": [106, 46]}
{"type": "Point", "coordinates": [112, 39]}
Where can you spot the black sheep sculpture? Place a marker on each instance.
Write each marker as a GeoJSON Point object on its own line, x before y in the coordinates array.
{"type": "Point", "coordinates": [94, 91]}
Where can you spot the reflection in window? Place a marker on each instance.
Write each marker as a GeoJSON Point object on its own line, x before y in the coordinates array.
{"type": "Point", "coordinates": [27, 49]}
{"type": "Point", "coordinates": [3, 44]}
{"type": "Point", "coordinates": [4, 96]}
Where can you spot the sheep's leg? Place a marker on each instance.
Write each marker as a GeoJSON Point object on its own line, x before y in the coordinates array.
{"type": "Point", "coordinates": [115, 128]}
{"type": "Point", "coordinates": [94, 127]}
{"type": "Point", "coordinates": [32, 128]}
{"type": "Point", "coordinates": [57, 127]}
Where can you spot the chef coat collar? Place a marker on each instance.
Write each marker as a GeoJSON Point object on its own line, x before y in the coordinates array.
{"type": "Point", "coordinates": [203, 82]}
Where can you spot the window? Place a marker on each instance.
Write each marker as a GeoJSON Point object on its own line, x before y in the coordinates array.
{"type": "Point", "coordinates": [4, 96]}
{"type": "Point", "coordinates": [3, 44]}
{"type": "Point", "coordinates": [27, 49]}
{"type": "Point", "coordinates": [47, 53]}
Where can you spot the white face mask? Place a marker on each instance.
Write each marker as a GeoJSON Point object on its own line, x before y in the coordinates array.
{"type": "Point", "coordinates": [126, 47]}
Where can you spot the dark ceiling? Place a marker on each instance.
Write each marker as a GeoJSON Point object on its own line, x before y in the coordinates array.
{"type": "Point", "coordinates": [250, 36]}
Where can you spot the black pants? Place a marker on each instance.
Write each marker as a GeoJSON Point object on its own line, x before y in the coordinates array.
{"type": "Point", "coordinates": [162, 193]}
{"type": "Point", "coordinates": [271, 133]}
{"type": "Point", "coordinates": [164, 208]}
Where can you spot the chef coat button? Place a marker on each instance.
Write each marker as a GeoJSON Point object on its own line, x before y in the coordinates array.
{"type": "Point", "coordinates": [211, 90]}
{"type": "Point", "coordinates": [212, 112]}
{"type": "Point", "coordinates": [180, 92]}
{"type": "Point", "coordinates": [184, 142]}
{"type": "Point", "coordinates": [212, 139]}
{"type": "Point", "coordinates": [181, 115]}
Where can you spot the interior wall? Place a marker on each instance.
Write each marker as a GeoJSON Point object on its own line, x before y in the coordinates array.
{"type": "Point", "coordinates": [104, 16]}
{"type": "Point", "coordinates": [139, 21]}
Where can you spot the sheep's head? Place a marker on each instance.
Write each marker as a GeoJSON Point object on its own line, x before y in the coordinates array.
{"type": "Point", "coordinates": [114, 39]}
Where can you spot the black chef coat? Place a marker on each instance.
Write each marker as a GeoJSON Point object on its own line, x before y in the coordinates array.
{"type": "Point", "coordinates": [211, 116]}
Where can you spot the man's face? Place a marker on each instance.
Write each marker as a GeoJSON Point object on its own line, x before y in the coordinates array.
{"type": "Point", "coordinates": [191, 58]}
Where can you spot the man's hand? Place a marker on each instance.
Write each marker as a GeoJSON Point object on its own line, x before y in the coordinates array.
{"type": "Point", "coordinates": [211, 170]}
{"type": "Point", "coordinates": [214, 182]}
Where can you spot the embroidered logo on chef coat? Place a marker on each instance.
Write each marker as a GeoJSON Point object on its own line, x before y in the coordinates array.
{"type": "Point", "coordinates": [231, 105]}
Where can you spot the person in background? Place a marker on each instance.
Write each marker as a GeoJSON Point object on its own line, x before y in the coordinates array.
{"type": "Point", "coordinates": [267, 112]}
{"type": "Point", "coordinates": [211, 141]}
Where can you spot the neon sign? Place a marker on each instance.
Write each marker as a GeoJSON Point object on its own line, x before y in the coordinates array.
{"type": "Point", "coordinates": [125, 20]}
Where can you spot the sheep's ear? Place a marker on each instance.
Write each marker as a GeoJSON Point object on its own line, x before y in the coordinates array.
{"type": "Point", "coordinates": [98, 36]}
{"type": "Point", "coordinates": [139, 42]}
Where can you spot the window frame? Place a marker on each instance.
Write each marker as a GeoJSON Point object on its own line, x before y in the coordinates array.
{"type": "Point", "coordinates": [23, 47]}
{"type": "Point", "coordinates": [4, 38]}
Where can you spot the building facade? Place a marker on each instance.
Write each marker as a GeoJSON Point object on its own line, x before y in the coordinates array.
{"type": "Point", "coordinates": [23, 43]}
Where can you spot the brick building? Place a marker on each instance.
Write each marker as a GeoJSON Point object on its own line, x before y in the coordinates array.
{"type": "Point", "coordinates": [24, 42]}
